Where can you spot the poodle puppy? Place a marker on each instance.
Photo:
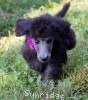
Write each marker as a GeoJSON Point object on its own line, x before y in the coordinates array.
{"type": "Point", "coordinates": [48, 38]}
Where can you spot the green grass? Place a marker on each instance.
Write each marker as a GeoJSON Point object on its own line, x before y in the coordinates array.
{"type": "Point", "coordinates": [18, 80]}
{"type": "Point", "coordinates": [11, 10]}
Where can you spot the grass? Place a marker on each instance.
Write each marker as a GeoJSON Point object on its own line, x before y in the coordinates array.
{"type": "Point", "coordinates": [11, 10]}
{"type": "Point", "coordinates": [18, 81]}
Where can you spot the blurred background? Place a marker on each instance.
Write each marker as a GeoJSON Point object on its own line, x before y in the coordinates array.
{"type": "Point", "coordinates": [11, 10]}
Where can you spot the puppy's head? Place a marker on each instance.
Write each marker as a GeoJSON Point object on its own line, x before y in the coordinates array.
{"type": "Point", "coordinates": [42, 33]}
{"type": "Point", "coordinates": [44, 30]}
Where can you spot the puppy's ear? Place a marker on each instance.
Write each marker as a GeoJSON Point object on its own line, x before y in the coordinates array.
{"type": "Point", "coordinates": [63, 27]}
{"type": "Point", "coordinates": [71, 40]}
{"type": "Point", "coordinates": [22, 27]}
{"type": "Point", "coordinates": [68, 36]}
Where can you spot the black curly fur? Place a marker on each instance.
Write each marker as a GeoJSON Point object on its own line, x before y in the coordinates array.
{"type": "Point", "coordinates": [44, 26]}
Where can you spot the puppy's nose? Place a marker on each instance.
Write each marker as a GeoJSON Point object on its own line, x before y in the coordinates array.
{"type": "Point", "coordinates": [44, 59]}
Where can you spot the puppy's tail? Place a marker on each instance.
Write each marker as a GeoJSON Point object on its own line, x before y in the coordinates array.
{"type": "Point", "coordinates": [64, 10]}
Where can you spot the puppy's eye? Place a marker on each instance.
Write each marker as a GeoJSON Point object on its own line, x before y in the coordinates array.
{"type": "Point", "coordinates": [49, 41]}
{"type": "Point", "coordinates": [37, 41]}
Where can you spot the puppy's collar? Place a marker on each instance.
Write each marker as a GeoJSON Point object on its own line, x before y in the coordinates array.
{"type": "Point", "coordinates": [30, 42]}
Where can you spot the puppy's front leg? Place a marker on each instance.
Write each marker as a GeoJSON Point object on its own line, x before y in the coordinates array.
{"type": "Point", "coordinates": [45, 82]}
{"type": "Point", "coordinates": [52, 74]}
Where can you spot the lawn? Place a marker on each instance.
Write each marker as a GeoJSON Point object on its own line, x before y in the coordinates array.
{"type": "Point", "coordinates": [17, 80]}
